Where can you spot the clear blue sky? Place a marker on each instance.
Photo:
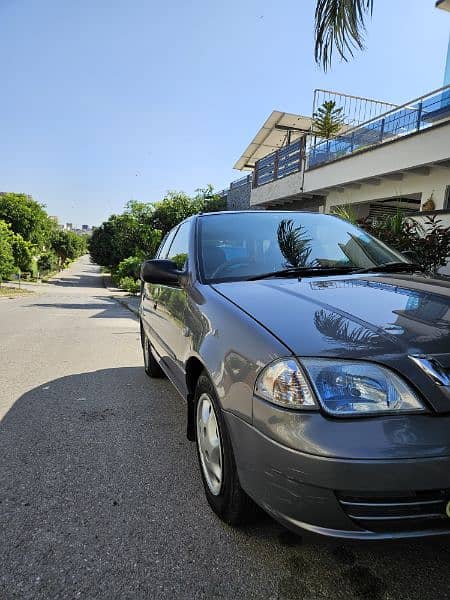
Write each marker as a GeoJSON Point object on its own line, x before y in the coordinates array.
{"type": "Point", "coordinates": [107, 100]}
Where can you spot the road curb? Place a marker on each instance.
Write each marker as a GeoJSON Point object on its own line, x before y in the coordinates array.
{"type": "Point", "coordinates": [123, 302]}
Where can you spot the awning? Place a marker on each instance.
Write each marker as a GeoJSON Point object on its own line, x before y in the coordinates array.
{"type": "Point", "coordinates": [273, 135]}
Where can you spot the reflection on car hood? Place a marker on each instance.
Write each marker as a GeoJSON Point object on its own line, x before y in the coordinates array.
{"type": "Point", "coordinates": [350, 315]}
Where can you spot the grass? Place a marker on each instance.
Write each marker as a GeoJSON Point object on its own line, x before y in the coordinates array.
{"type": "Point", "coordinates": [12, 292]}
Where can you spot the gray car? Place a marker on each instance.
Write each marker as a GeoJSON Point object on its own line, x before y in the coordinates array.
{"type": "Point", "coordinates": [315, 365]}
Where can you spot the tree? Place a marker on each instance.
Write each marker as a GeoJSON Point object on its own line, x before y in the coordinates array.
{"type": "Point", "coordinates": [26, 217]}
{"type": "Point", "coordinates": [22, 252]}
{"type": "Point", "coordinates": [121, 236]}
{"type": "Point", "coordinates": [340, 25]}
{"type": "Point", "coordinates": [6, 253]}
{"type": "Point", "coordinates": [174, 208]}
{"type": "Point", "coordinates": [137, 232]}
{"type": "Point", "coordinates": [328, 120]}
{"type": "Point", "coordinates": [67, 245]}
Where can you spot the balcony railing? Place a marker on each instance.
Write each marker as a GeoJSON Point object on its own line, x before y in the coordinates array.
{"type": "Point", "coordinates": [414, 116]}
{"type": "Point", "coordinates": [417, 115]}
{"type": "Point", "coordinates": [282, 162]}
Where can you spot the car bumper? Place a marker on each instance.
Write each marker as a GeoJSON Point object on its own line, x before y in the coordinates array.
{"type": "Point", "coordinates": [344, 498]}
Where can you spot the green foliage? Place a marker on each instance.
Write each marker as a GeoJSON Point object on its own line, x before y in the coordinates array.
{"type": "Point", "coordinates": [431, 244]}
{"type": "Point", "coordinates": [294, 245]}
{"type": "Point", "coordinates": [22, 253]}
{"type": "Point", "coordinates": [67, 246]}
{"type": "Point", "coordinates": [429, 241]}
{"type": "Point", "coordinates": [328, 120]}
{"type": "Point", "coordinates": [138, 231]}
{"type": "Point", "coordinates": [346, 212]}
{"type": "Point", "coordinates": [129, 267]}
{"type": "Point", "coordinates": [129, 234]}
{"type": "Point", "coordinates": [6, 252]}
{"type": "Point", "coordinates": [47, 263]}
{"type": "Point", "coordinates": [26, 218]}
{"type": "Point", "coordinates": [130, 285]}
{"type": "Point", "coordinates": [339, 24]}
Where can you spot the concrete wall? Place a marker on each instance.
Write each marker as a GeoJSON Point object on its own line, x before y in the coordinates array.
{"type": "Point", "coordinates": [435, 184]}
{"type": "Point", "coordinates": [422, 148]}
{"type": "Point", "coordinates": [238, 198]}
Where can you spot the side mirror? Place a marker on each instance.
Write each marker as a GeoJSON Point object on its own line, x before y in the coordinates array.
{"type": "Point", "coordinates": [160, 271]}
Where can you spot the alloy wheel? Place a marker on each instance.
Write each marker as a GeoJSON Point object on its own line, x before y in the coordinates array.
{"type": "Point", "coordinates": [209, 444]}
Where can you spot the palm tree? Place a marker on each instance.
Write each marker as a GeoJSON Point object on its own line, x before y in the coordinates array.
{"type": "Point", "coordinates": [328, 120]}
{"type": "Point", "coordinates": [340, 25]}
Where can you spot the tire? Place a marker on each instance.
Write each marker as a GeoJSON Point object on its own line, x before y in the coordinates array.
{"type": "Point", "coordinates": [151, 366]}
{"type": "Point", "coordinates": [224, 494]}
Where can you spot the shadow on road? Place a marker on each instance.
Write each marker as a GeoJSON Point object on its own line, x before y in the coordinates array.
{"type": "Point", "coordinates": [105, 307]}
{"type": "Point", "coordinates": [101, 498]}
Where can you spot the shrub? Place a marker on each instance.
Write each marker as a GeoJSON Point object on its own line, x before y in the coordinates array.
{"type": "Point", "coordinates": [129, 267]}
{"type": "Point", "coordinates": [429, 241]}
{"type": "Point", "coordinates": [47, 263]}
{"type": "Point", "coordinates": [130, 285]}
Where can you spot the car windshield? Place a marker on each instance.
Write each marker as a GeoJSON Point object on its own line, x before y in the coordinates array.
{"type": "Point", "coordinates": [238, 246]}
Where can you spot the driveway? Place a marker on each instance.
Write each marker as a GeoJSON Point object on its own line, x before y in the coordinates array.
{"type": "Point", "coordinates": [100, 495]}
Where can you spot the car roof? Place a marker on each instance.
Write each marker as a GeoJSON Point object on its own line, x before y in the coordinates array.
{"type": "Point", "coordinates": [256, 212]}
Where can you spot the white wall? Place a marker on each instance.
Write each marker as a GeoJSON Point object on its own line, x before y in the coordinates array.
{"type": "Point", "coordinates": [433, 184]}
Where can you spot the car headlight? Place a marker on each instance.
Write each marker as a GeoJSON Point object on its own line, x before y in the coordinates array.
{"type": "Point", "coordinates": [343, 388]}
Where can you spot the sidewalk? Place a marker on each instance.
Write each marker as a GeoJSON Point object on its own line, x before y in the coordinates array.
{"type": "Point", "coordinates": [130, 302]}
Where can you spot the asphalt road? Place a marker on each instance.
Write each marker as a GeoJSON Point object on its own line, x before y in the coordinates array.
{"type": "Point", "coordinates": [100, 495]}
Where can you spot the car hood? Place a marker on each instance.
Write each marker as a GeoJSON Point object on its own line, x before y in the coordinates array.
{"type": "Point", "coordinates": [351, 316]}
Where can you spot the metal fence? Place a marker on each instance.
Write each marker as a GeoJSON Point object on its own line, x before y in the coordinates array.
{"type": "Point", "coordinates": [279, 164]}
{"type": "Point", "coordinates": [414, 116]}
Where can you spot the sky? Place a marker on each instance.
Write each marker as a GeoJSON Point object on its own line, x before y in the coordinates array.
{"type": "Point", "coordinates": [104, 101]}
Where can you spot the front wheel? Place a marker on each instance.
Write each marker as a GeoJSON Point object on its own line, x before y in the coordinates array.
{"type": "Point", "coordinates": [215, 455]}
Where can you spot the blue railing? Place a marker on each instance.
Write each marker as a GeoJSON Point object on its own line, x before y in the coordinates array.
{"type": "Point", "coordinates": [414, 116]}
{"type": "Point", "coordinates": [279, 164]}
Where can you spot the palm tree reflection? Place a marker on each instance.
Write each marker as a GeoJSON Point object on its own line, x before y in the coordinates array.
{"type": "Point", "coordinates": [337, 327]}
{"type": "Point", "coordinates": [294, 244]}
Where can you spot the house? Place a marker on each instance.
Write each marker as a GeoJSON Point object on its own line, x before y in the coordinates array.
{"type": "Point", "coordinates": [398, 157]}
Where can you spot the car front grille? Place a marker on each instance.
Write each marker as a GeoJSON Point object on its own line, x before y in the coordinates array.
{"type": "Point", "coordinates": [412, 511]}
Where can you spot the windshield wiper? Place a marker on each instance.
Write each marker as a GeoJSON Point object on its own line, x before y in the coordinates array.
{"type": "Point", "coordinates": [390, 267]}
{"type": "Point", "coordinates": [301, 271]}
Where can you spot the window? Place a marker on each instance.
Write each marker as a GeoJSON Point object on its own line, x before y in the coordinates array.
{"type": "Point", "coordinates": [245, 245]}
{"type": "Point", "coordinates": [165, 245]}
{"type": "Point", "coordinates": [447, 198]}
{"type": "Point", "coordinates": [180, 246]}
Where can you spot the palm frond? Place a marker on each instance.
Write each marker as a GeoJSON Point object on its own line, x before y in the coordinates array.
{"type": "Point", "coordinates": [339, 24]}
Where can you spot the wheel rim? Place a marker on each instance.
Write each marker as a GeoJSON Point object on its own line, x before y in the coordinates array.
{"type": "Point", "coordinates": [209, 444]}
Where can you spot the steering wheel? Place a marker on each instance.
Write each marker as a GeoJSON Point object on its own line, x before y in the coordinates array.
{"type": "Point", "coordinates": [231, 263]}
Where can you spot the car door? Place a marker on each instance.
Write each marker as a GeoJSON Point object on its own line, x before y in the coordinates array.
{"type": "Point", "coordinates": [166, 316]}
{"type": "Point", "coordinates": [147, 302]}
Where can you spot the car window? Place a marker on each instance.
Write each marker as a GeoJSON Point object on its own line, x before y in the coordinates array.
{"type": "Point", "coordinates": [243, 245]}
{"type": "Point", "coordinates": [180, 246]}
{"type": "Point", "coordinates": [165, 245]}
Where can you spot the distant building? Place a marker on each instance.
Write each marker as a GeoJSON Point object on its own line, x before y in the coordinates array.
{"type": "Point", "coordinates": [69, 226]}
{"type": "Point", "coordinates": [85, 228]}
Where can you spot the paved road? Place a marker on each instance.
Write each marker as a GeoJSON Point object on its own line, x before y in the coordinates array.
{"type": "Point", "coordinates": [100, 497]}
